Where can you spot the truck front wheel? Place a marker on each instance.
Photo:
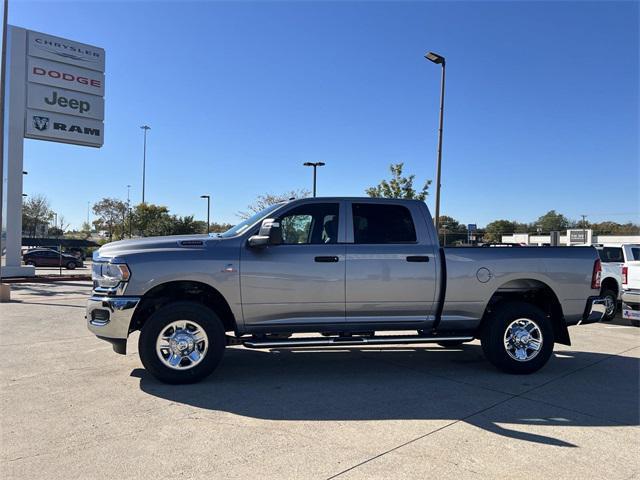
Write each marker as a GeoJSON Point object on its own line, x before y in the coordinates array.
{"type": "Point", "coordinates": [518, 338]}
{"type": "Point", "coordinates": [182, 342]}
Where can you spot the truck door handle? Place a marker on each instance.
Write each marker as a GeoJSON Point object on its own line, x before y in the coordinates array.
{"type": "Point", "coordinates": [417, 258]}
{"type": "Point", "coordinates": [326, 259]}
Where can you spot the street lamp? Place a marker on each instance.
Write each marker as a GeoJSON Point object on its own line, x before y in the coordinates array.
{"type": "Point", "coordinates": [144, 157]}
{"type": "Point", "coordinates": [208, 197]}
{"type": "Point", "coordinates": [438, 59]}
{"type": "Point", "coordinates": [315, 165]}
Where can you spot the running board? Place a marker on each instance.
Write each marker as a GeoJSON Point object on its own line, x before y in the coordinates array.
{"type": "Point", "coordinates": [333, 341]}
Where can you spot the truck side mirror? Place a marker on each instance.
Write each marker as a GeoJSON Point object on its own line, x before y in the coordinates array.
{"type": "Point", "coordinates": [270, 234]}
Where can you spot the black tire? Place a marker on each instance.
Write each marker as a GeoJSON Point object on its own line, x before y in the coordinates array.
{"type": "Point", "coordinates": [71, 265]}
{"type": "Point", "coordinates": [493, 335]}
{"type": "Point", "coordinates": [159, 320]}
{"type": "Point", "coordinates": [613, 297]}
{"type": "Point", "coordinates": [451, 343]}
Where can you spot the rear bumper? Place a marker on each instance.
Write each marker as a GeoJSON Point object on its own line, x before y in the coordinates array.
{"type": "Point", "coordinates": [594, 311]}
{"type": "Point", "coordinates": [109, 318]}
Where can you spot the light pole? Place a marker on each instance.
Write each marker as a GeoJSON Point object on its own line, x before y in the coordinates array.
{"type": "Point", "coordinates": [208, 197]}
{"type": "Point", "coordinates": [315, 165]}
{"type": "Point", "coordinates": [144, 157]}
{"type": "Point", "coordinates": [438, 59]}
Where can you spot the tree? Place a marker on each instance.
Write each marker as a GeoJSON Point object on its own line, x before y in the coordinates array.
{"type": "Point", "coordinates": [614, 228]}
{"type": "Point", "coordinates": [497, 228]}
{"type": "Point", "coordinates": [111, 216]}
{"type": "Point", "coordinates": [35, 212]}
{"type": "Point", "coordinates": [185, 225]}
{"type": "Point", "coordinates": [398, 186]}
{"type": "Point", "coordinates": [265, 200]}
{"type": "Point", "coordinates": [552, 221]}
{"type": "Point", "coordinates": [451, 230]}
{"type": "Point", "coordinates": [151, 220]}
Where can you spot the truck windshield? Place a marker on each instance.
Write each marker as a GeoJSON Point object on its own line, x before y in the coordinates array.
{"type": "Point", "coordinates": [246, 224]}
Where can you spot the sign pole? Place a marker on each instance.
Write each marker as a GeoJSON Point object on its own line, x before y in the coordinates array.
{"type": "Point", "coordinates": [15, 145]}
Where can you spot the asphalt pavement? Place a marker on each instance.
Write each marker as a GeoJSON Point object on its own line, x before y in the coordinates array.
{"type": "Point", "coordinates": [73, 409]}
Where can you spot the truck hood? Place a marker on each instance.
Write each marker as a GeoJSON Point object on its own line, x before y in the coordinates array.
{"type": "Point", "coordinates": [123, 247]}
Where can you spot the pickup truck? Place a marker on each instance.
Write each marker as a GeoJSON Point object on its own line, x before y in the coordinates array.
{"type": "Point", "coordinates": [614, 258]}
{"type": "Point", "coordinates": [631, 285]}
{"type": "Point", "coordinates": [333, 272]}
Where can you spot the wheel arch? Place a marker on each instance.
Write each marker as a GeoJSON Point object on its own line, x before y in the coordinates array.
{"type": "Point", "coordinates": [183, 290]}
{"type": "Point", "coordinates": [535, 292]}
{"type": "Point", "coordinates": [610, 283]}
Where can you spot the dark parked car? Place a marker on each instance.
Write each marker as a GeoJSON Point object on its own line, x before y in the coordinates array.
{"type": "Point", "coordinates": [44, 257]}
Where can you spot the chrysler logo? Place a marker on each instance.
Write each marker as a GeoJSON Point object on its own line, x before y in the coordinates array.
{"type": "Point", "coordinates": [40, 123]}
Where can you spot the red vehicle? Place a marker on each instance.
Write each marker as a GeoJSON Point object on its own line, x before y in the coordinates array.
{"type": "Point", "coordinates": [46, 257]}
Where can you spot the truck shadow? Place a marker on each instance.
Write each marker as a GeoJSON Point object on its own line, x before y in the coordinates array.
{"type": "Point", "coordinates": [406, 383]}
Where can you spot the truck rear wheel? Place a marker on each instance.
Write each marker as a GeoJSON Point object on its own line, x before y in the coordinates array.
{"type": "Point", "coordinates": [611, 299]}
{"type": "Point", "coordinates": [518, 338]}
{"type": "Point", "coordinates": [182, 342]}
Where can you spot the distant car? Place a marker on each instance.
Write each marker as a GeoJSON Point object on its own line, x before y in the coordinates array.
{"type": "Point", "coordinates": [44, 257]}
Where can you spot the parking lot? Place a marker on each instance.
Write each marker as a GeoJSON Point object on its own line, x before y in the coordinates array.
{"type": "Point", "coordinates": [71, 408]}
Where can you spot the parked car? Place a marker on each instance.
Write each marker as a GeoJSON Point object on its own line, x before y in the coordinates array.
{"type": "Point", "coordinates": [46, 257]}
{"type": "Point", "coordinates": [347, 269]}
{"type": "Point", "coordinates": [631, 285]}
{"type": "Point", "coordinates": [613, 258]}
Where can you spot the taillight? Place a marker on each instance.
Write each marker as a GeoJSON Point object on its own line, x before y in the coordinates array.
{"type": "Point", "coordinates": [597, 275]}
{"type": "Point", "coordinates": [625, 275]}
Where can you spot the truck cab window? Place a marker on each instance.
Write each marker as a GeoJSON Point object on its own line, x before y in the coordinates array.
{"type": "Point", "coordinates": [381, 223]}
{"type": "Point", "coordinates": [310, 224]}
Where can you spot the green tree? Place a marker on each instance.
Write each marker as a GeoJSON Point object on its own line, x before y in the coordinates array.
{"type": "Point", "coordinates": [614, 228]}
{"type": "Point", "coordinates": [493, 231]}
{"type": "Point", "coordinates": [451, 230]}
{"type": "Point", "coordinates": [265, 200]}
{"type": "Point", "coordinates": [398, 186]}
{"type": "Point", "coordinates": [111, 215]}
{"type": "Point", "coordinates": [151, 220]}
{"type": "Point", "coordinates": [552, 221]}
{"type": "Point", "coordinates": [36, 212]}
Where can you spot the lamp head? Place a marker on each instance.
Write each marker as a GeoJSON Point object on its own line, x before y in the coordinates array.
{"type": "Point", "coordinates": [435, 58]}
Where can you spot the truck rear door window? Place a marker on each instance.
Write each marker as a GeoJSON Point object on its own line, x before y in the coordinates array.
{"type": "Point", "coordinates": [380, 223]}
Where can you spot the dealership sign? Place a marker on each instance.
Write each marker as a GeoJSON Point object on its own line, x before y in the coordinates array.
{"type": "Point", "coordinates": [64, 91]}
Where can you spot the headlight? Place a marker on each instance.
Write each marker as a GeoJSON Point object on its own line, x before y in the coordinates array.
{"type": "Point", "coordinates": [109, 275]}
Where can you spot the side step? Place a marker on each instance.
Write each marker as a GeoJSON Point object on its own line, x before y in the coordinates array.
{"type": "Point", "coordinates": [333, 341]}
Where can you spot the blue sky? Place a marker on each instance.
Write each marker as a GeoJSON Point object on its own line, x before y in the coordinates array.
{"type": "Point", "coordinates": [541, 106]}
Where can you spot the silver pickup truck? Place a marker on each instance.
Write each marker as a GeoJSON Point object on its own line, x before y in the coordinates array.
{"type": "Point", "coordinates": [336, 271]}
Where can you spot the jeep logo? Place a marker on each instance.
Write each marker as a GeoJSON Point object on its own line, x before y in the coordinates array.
{"type": "Point", "coordinates": [80, 105]}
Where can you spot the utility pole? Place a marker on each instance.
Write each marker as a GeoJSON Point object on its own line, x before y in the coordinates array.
{"type": "Point", "coordinates": [584, 227]}
{"type": "Point", "coordinates": [144, 158]}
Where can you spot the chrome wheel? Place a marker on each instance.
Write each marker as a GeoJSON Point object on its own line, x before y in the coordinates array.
{"type": "Point", "coordinates": [182, 344]}
{"type": "Point", "coordinates": [523, 339]}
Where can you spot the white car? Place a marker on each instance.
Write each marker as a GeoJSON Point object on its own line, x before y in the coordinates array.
{"type": "Point", "coordinates": [614, 258]}
{"type": "Point", "coordinates": [631, 286]}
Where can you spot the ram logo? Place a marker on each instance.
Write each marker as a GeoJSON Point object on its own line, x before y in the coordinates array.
{"type": "Point", "coordinates": [40, 123]}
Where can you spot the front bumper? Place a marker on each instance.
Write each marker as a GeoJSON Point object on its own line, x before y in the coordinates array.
{"type": "Point", "coordinates": [631, 304]}
{"type": "Point", "coordinates": [595, 310]}
{"type": "Point", "coordinates": [109, 318]}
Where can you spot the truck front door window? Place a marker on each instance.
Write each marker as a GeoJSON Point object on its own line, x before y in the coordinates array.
{"type": "Point", "coordinates": [312, 224]}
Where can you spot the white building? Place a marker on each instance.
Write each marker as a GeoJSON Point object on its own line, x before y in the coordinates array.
{"type": "Point", "coordinates": [571, 237]}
